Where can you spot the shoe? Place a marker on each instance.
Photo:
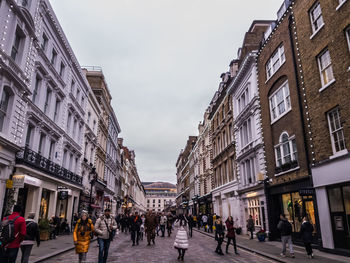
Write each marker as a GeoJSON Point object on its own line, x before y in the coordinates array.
{"type": "Point", "coordinates": [148, 244]}
{"type": "Point", "coordinates": [178, 258]}
{"type": "Point", "coordinates": [227, 252]}
{"type": "Point", "coordinates": [283, 255]}
{"type": "Point", "coordinates": [292, 255]}
{"type": "Point", "coordinates": [221, 254]}
{"type": "Point", "coordinates": [153, 242]}
{"type": "Point", "coordinates": [182, 258]}
{"type": "Point", "coordinates": [312, 255]}
{"type": "Point", "coordinates": [217, 252]}
{"type": "Point", "coordinates": [236, 253]}
{"type": "Point", "coordinates": [133, 245]}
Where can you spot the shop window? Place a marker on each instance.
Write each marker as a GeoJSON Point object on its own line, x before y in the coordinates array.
{"type": "Point", "coordinates": [335, 200]}
{"type": "Point", "coordinates": [293, 209]}
{"type": "Point", "coordinates": [44, 204]}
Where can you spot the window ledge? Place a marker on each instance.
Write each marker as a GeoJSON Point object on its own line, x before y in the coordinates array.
{"type": "Point", "coordinates": [279, 117]}
{"type": "Point", "coordinates": [315, 33]}
{"type": "Point", "coordinates": [327, 85]}
{"type": "Point", "coordinates": [288, 171]}
{"type": "Point", "coordinates": [338, 154]}
{"type": "Point", "coordinates": [340, 5]}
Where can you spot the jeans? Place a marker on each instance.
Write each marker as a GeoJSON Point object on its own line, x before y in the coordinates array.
{"type": "Point", "coordinates": [308, 248]}
{"type": "Point", "coordinates": [135, 235]}
{"type": "Point", "coordinates": [9, 255]}
{"type": "Point", "coordinates": [82, 257]}
{"type": "Point", "coordinates": [26, 249]}
{"type": "Point", "coordinates": [218, 247]}
{"type": "Point", "coordinates": [162, 228]}
{"type": "Point", "coordinates": [233, 241]}
{"type": "Point", "coordinates": [103, 249]}
{"type": "Point", "coordinates": [285, 240]}
{"type": "Point", "coordinates": [190, 230]}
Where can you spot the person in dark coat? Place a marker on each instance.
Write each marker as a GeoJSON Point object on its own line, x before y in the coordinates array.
{"type": "Point", "coordinates": [219, 235]}
{"type": "Point", "coordinates": [231, 235]}
{"type": "Point", "coordinates": [306, 230]}
{"type": "Point", "coordinates": [150, 227]}
{"type": "Point", "coordinates": [32, 237]}
{"type": "Point", "coordinates": [135, 227]}
{"type": "Point", "coordinates": [210, 223]}
{"type": "Point", "coordinates": [169, 225]}
{"type": "Point", "coordinates": [250, 226]}
{"type": "Point", "coordinates": [190, 225]}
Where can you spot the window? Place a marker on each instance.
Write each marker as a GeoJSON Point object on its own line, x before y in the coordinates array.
{"type": "Point", "coordinates": [52, 149]}
{"type": "Point", "coordinates": [336, 130]}
{"type": "Point", "coordinates": [53, 57]}
{"type": "Point", "coordinates": [36, 88]}
{"type": "Point", "coordinates": [244, 99]}
{"type": "Point", "coordinates": [347, 33]}
{"type": "Point", "coordinates": [42, 143]}
{"type": "Point", "coordinates": [70, 162]}
{"type": "Point", "coordinates": [245, 132]}
{"type": "Point", "coordinates": [4, 103]}
{"type": "Point", "coordinates": [72, 86]}
{"type": "Point", "coordinates": [316, 17]}
{"type": "Point", "coordinates": [47, 100]}
{"type": "Point", "coordinates": [74, 128]}
{"type": "Point", "coordinates": [286, 150]}
{"type": "Point", "coordinates": [62, 67]}
{"type": "Point", "coordinates": [69, 119]}
{"type": "Point", "coordinates": [82, 101]}
{"type": "Point", "coordinates": [57, 109]}
{"type": "Point", "coordinates": [64, 161]}
{"type": "Point", "coordinates": [88, 118]}
{"type": "Point", "coordinates": [280, 102]}
{"type": "Point", "coordinates": [44, 43]}
{"type": "Point", "coordinates": [29, 134]}
{"type": "Point", "coordinates": [275, 61]}
{"type": "Point", "coordinates": [325, 67]}
{"type": "Point", "coordinates": [16, 45]}
{"type": "Point", "coordinates": [78, 94]}
{"type": "Point", "coordinates": [248, 171]}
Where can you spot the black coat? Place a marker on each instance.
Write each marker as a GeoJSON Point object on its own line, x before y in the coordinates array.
{"type": "Point", "coordinates": [219, 231]}
{"type": "Point", "coordinates": [135, 223]}
{"type": "Point", "coordinates": [33, 233]}
{"type": "Point", "coordinates": [306, 230]}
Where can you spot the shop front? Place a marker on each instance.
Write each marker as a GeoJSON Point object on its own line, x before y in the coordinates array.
{"type": "Point", "coordinates": [295, 200]}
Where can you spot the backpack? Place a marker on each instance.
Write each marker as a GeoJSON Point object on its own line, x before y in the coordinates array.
{"type": "Point", "coordinates": [7, 231]}
{"type": "Point", "coordinates": [287, 228]}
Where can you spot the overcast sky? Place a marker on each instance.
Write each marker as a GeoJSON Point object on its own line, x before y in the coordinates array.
{"type": "Point", "coordinates": [162, 60]}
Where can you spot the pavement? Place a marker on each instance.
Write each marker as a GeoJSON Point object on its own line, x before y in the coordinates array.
{"type": "Point", "coordinates": [272, 250]}
{"type": "Point", "coordinates": [201, 249]}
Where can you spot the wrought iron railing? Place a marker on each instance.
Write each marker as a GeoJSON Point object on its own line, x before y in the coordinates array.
{"type": "Point", "coordinates": [36, 160]}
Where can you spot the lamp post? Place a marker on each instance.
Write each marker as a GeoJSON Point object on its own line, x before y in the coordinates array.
{"type": "Point", "coordinates": [92, 182]}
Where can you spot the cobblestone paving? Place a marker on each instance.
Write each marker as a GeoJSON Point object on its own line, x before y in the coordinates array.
{"type": "Point", "coordinates": [201, 250]}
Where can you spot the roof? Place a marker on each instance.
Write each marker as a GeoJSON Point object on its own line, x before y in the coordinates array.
{"type": "Point", "coordinates": [158, 185]}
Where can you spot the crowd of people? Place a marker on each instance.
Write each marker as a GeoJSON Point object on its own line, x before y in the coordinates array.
{"type": "Point", "coordinates": [19, 233]}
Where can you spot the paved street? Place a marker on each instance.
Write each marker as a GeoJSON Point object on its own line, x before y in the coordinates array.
{"type": "Point", "coordinates": [201, 250]}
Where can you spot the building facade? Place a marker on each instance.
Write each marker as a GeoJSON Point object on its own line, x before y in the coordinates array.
{"type": "Point", "coordinates": [287, 163]}
{"type": "Point", "coordinates": [247, 132]}
{"type": "Point", "coordinates": [159, 195]}
{"type": "Point", "coordinates": [322, 45]}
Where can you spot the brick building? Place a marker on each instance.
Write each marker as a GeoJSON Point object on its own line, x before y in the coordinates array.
{"type": "Point", "coordinates": [322, 43]}
{"type": "Point", "coordinates": [283, 130]}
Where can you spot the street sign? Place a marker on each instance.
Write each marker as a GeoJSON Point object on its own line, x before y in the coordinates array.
{"type": "Point", "coordinates": [18, 180]}
{"type": "Point", "coordinates": [306, 191]}
{"type": "Point", "coordinates": [9, 184]}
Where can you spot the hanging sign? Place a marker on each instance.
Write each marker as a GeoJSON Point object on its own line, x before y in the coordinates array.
{"type": "Point", "coordinates": [63, 195]}
{"type": "Point", "coordinates": [9, 184]}
{"type": "Point", "coordinates": [18, 180]}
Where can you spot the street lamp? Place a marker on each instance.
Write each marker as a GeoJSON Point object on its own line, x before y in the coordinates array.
{"type": "Point", "coordinates": [92, 182]}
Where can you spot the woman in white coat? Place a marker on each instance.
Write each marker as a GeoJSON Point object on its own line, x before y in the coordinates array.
{"type": "Point", "coordinates": [181, 239]}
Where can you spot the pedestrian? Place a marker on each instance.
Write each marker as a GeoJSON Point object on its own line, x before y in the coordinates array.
{"type": "Point", "coordinates": [82, 235]}
{"type": "Point", "coordinates": [205, 222]}
{"type": "Point", "coordinates": [286, 235]}
{"type": "Point", "coordinates": [181, 240]}
{"type": "Point", "coordinates": [150, 227]}
{"type": "Point", "coordinates": [103, 228]}
{"type": "Point", "coordinates": [32, 236]}
{"type": "Point", "coordinates": [52, 226]}
{"type": "Point", "coordinates": [250, 226]}
{"type": "Point", "coordinates": [306, 231]}
{"type": "Point", "coordinates": [162, 223]}
{"type": "Point", "coordinates": [75, 220]}
{"type": "Point", "coordinates": [9, 247]}
{"type": "Point", "coordinates": [190, 225]}
{"type": "Point", "coordinates": [231, 235]}
{"type": "Point", "coordinates": [135, 228]}
{"type": "Point", "coordinates": [210, 223]}
{"type": "Point", "coordinates": [199, 221]}
{"type": "Point", "coordinates": [169, 223]}
{"type": "Point", "coordinates": [219, 235]}
{"type": "Point", "coordinates": [142, 228]}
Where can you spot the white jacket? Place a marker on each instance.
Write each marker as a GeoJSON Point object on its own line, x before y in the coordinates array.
{"type": "Point", "coordinates": [181, 239]}
{"type": "Point", "coordinates": [101, 227]}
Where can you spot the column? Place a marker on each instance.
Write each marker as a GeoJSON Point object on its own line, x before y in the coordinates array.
{"type": "Point", "coordinates": [38, 201]}
{"type": "Point", "coordinates": [325, 218]}
{"type": "Point", "coordinates": [53, 203]}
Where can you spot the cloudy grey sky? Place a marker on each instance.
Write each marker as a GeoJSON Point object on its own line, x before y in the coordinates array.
{"type": "Point", "coordinates": [162, 60]}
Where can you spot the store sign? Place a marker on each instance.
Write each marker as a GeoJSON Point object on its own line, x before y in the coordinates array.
{"type": "Point", "coordinates": [306, 191]}
{"type": "Point", "coordinates": [9, 184]}
{"type": "Point", "coordinates": [18, 180]}
{"type": "Point", "coordinates": [63, 195]}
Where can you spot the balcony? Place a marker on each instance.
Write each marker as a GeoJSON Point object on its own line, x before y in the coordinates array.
{"type": "Point", "coordinates": [35, 160]}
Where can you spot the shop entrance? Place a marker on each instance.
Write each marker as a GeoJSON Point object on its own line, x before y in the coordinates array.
{"type": "Point", "coordinates": [22, 199]}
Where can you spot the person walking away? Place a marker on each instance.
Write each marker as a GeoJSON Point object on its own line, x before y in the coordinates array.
{"type": "Point", "coordinates": [150, 227]}
{"type": "Point", "coordinates": [32, 236]}
{"type": "Point", "coordinates": [306, 231]}
{"type": "Point", "coordinates": [286, 235]}
{"type": "Point", "coordinates": [142, 227]}
{"type": "Point", "coordinates": [181, 240]}
{"type": "Point", "coordinates": [10, 243]}
{"type": "Point", "coordinates": [205, 222]}
{"type": "Point", "coordinates": [210, 223]}
{"type": "Point", "coordinates": [169, 223]}
{"type": "Point", "coordinates": [162, 223]}
{"type": "Point", "coordinates": [82, 235]}
{"type": "Point", "coordinates": [250, 226]}
{"type": "Point", "coordinates": [231, 235]}
{"type": "Point", "coordinates": [103, 228]}
{"type": "Point", "coordinates": [219, 235]}
{"type": "Point", "coordinates": [190, 225]}
{"type": "Point", "coordinates": [136, 223]}
{"type": "Point", "coordinates": [199, 221]}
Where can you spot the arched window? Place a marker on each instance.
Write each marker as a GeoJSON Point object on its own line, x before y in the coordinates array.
{"type": "Point", "coordinates": [6, 97]}
{"type": "Point", "coordinates": [286, 150]}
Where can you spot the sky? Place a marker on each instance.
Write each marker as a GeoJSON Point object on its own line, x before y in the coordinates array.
{"type": "Point", "coordinates": [162, 60]}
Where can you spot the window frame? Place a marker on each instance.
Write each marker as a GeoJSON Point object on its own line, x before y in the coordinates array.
{"type": "Point", "coordinates": [292, 152]}
{"type": "Point", "coordinates": [313, 8]}
{"type": "Point", "coordinates": [281, 59]}
{"type": "Point", "coordinates": [341, 129]}
{"type": "Point", "coordinates": [285, 101]}
{"type": "Point", "coordinates": [325, 85]}
{"type": "Point", "coordinates": [347, 35]}
{"type": "Point", "coordinates": [8, 111]}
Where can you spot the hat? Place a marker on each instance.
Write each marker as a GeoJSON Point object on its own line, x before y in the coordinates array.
{"type": "Point", "coordinates": [84, 212]}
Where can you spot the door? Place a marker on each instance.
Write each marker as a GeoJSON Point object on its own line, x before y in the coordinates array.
{"type": "Point", "coordinates": [22, 199]}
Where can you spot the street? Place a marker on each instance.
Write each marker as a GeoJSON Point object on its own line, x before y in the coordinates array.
{"type": "Point", "coordinates": [201, 250]}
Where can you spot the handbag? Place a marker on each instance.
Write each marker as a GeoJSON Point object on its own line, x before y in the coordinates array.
{"type": "Point", "coordinates": [110, 233]}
